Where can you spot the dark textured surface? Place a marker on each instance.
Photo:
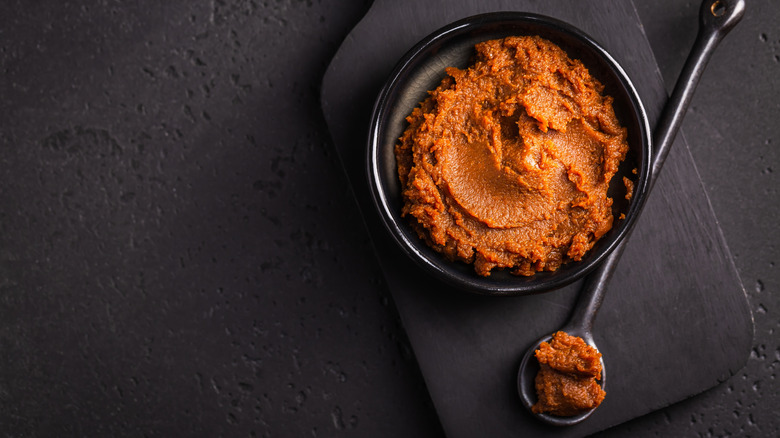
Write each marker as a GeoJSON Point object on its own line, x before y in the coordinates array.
{"type": "Point", "coordinates": [168, 268]}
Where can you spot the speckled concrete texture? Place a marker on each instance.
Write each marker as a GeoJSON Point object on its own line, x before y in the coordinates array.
{"type": "Point", "coordinates": [180, 254]}
{"type": "Point", "coordinates": [174, 254]}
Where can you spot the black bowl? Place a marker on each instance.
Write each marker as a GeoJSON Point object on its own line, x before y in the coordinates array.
{"type": "Point", "coordinates": [422, 69]}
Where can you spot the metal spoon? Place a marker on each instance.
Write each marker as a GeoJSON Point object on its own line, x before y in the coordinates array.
{"type": "Point", "coordinates": [716, 19]}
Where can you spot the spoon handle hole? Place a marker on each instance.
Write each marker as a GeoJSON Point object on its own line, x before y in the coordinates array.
{"type": "Point", "coordinates": [718, 8]}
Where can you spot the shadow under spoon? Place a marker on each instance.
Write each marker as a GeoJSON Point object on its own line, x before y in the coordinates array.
{"type": "Point", "coordinates": [716, 19]}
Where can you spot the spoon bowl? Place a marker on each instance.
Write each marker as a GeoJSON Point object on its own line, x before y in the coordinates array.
{"type": "Point", "coordinates": [529, 367]}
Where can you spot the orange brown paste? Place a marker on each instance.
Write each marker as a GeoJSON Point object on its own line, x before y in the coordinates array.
{"type": "Point", "coordinates": [566, 383]}
{"type": "Point", "coordinates": [507, 163]}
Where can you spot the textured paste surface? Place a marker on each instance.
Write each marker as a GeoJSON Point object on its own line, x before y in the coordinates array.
{"type": "Point", "coordinates": [566, 383]}
{"type": "Point", "coordinates": [507, 163]}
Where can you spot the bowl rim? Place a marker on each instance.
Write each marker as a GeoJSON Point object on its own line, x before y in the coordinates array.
{"type": "Point", "coordinates": [412, 246]}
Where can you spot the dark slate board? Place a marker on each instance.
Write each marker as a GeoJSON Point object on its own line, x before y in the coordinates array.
{"type": "Point", "coordinates": [675, 321]}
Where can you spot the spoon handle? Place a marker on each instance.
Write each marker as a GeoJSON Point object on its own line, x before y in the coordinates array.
{"type": "Point", "coordinates": [592, 293]}
{"type": "Point", "coordinates": [716, 19]}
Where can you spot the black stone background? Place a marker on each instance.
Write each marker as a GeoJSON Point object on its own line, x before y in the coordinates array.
{"type": "Point", "coordinates": [180, 254]}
